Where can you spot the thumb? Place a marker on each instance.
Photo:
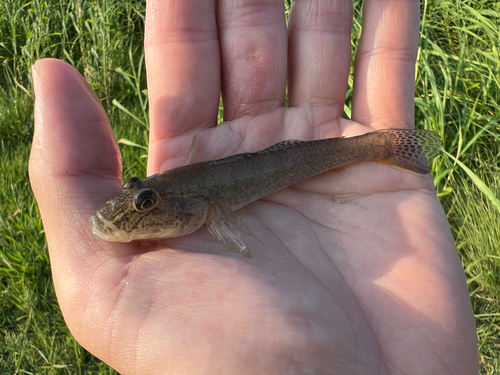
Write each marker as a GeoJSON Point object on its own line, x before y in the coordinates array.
{"type": "Point", "coordinates": [75, 163]}
{"type": "Point", "coordinates": [75, 166]}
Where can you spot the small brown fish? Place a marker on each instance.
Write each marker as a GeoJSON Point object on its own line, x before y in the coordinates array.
{"type": "Point", "coordinates": [178, 202]}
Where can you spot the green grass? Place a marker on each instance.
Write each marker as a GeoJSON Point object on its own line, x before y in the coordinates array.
{"type": "Point", "coordinates": [457, 94]}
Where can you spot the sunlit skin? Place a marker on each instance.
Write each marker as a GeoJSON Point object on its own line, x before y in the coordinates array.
{"type": "Point", "coordinates": [356, 271]}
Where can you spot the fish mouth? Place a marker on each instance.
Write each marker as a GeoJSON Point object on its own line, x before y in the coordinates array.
{"type": "Point", "coordinates": [105, 230]}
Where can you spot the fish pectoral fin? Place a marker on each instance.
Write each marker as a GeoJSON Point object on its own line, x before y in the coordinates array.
{"type": "Point", "coordinates": [226, 227]}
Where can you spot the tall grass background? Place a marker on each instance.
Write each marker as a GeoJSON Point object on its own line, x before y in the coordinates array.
{"type": "Point", "coordinates": [457, 93]}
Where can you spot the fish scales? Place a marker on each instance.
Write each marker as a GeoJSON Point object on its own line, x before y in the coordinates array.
{"type": "Point", "coordinates": [241, 179]}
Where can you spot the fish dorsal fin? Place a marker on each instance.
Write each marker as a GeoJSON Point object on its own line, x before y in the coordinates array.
{"type": "Point", "coordinates": [227, 227]}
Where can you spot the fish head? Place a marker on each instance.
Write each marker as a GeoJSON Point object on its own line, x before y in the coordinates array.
{"type": "Point", "coordinates": [138, 211]}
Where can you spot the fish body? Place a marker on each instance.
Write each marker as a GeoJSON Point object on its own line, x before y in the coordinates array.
{"type": "Point", "coordinates": [180, 201]}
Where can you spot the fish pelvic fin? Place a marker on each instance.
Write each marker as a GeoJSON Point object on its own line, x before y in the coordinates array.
{"type": "Point", "coordinates": [412, 149]}
{"type": "Point", "coordinates": [227, 227]}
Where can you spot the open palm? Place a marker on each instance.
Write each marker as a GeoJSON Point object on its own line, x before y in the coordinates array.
{"type": "Point", "coordinates": [353, 272]}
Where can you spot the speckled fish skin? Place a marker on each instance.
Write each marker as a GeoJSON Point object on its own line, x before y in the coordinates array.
{"type": "Point", "coordinates": [181, 200]}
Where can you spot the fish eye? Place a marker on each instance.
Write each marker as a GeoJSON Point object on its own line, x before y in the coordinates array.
{"type": "Point", "coordinates": [132, 182]}
{"type": "Point", "coordinates": [145, 200]}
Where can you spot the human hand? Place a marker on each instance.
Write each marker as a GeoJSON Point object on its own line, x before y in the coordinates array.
{"type": "Point", "coordinates": [357, 271]}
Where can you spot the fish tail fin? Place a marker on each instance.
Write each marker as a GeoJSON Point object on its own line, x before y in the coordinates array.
{"type": "Point", "coordinates": [412, 149]}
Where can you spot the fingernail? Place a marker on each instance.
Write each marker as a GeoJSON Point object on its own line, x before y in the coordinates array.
{"type": "Point", "coordinates": [34, 75]}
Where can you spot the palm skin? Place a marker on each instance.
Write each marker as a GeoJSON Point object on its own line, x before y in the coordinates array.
{"type": "Point", "coordinates": [356, 271]}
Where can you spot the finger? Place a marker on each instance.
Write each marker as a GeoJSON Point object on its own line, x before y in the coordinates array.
{"type": "Point", "coordinates": [253, 41]}
{"type": "Point", "coordinates": [319, 53]}
{"type": "Point", "coordinates": [75, 164]}
{"type": "Point", "coordinates": [74, 167]}
{"type": "Point", "coordinates": [384, 83]}
{"type": "Point", "coordinates": [72, 131]}
{"type": "Point", "coordinates": [182, 59]}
